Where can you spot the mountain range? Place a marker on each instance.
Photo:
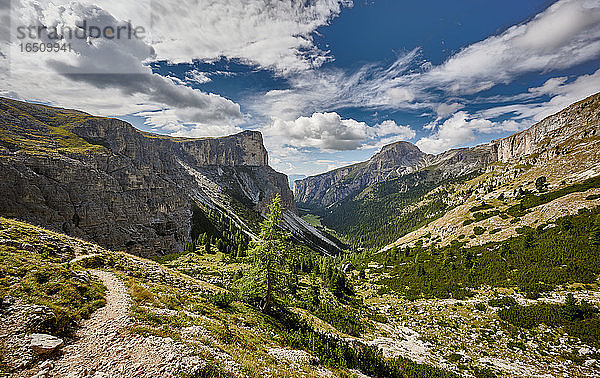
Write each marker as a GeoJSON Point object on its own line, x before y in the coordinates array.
{"type": "Point", "coordinates": [372, 197]}
{"type": "Point", "coordinates": [127, 253]}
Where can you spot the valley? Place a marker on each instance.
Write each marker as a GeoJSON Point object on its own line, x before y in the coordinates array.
{"type": "Point", "coordinates": [147, 255]}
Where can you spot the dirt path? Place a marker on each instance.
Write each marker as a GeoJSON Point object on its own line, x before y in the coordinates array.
{"type": "Point", "coordinates": [105, 347]}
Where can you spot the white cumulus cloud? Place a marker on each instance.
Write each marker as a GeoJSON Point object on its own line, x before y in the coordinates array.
{"type": "Point", "coordinates": [458, 130]}
{"type": "Point", "coordinates": [328, 131]}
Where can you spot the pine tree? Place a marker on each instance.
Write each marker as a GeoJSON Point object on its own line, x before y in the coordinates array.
{"type": "Point", "coordinates": [271, 254]}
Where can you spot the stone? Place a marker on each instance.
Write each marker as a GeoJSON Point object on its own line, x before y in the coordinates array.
{"type": "Point", "coordinates": [347, 267]}
{"type": "Point", "coordinates": [42, 343]}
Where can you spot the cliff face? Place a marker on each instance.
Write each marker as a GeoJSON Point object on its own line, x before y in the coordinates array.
{"type": "Point", "coordinates": [243, 149]}
{"type": "Point", "coordinates": [577, 121]}
{"type": "Point", "coordinates": [103, 180]}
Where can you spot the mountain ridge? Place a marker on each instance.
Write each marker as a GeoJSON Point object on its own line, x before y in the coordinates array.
{"type": "Point", "coordinates": [327, 188]}
{"type": "Point", "coordinates": [103, 180]}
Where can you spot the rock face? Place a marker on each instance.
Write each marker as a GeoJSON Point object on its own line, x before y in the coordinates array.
{"type": "Point", "coordinates": [105, 181]}
{"type": "Point", "coordinates": [399, 159]}
{"type": "Point", "coordinates": [577, 121]}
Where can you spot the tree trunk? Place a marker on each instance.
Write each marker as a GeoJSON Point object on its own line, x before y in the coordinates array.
{"type": "Point", "coordinates": [269, 289]}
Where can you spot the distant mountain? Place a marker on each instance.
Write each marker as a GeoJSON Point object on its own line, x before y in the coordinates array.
{"type": "Point", "coordinates": [401, 188]}
{"type": "Point", "coordinates": [105, 181]}
{"type": "Point", "coordinates": [292, 178]}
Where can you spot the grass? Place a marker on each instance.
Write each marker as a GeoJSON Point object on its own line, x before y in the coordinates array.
{"type": "Point", "coordinates": [43, 129]}
{"type": "Point", "coordinates": [37, 271]}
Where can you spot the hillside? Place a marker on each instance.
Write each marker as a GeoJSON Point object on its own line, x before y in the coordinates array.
{"type": "Point", "coordinates": [495, 272]}
{"type": "Point", "coordinates": [105, 312]}
{"type": "Point", "coordinates": [103, 180]}
{"type": "Point", "coordinates": [72, 308]}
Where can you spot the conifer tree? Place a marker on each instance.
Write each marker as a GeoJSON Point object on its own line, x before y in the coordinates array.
{"type": "Point", "coordinates": [271, 254]}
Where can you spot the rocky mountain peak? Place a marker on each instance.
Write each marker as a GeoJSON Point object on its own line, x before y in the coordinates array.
{"type": "Point", "coordinates": [398, 154]}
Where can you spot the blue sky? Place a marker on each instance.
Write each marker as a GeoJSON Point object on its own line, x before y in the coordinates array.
{"type": "Point", "coordinates": [327, 82]}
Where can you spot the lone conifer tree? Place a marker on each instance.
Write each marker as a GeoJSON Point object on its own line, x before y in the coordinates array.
{"type": "Point", "coordinates": [271, 253]}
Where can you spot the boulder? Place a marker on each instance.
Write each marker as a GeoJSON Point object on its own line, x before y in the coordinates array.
{"type": "Point", "coordinates": [42, 343]}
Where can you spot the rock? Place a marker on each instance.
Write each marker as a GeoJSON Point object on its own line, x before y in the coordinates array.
{"type": "Point", "coordinates": [293, 355]}
{"type": "Point", "coordinates": [40, 319]}
{"type": "Point", "coordinates": [327, 188]}
{"type": "Point", "coordinates": [43, 343]}
{"type": "Point", "coordinates": [46, 365]}
{"type": "Point", "coordinates": [347, 267]}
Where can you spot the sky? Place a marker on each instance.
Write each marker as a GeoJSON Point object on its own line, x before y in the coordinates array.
{"type": "Point", "coordinates": [327, 82]}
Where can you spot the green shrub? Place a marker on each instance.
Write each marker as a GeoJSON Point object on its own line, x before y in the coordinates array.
{"type": "Point", "coordinates": [502, 302]}
{"type": "Point", "coordinates": [222, 299]}
{"type": "Point", "coordinates": [483, 206]}
{"type": "Point", "coordinates": [480, 307]}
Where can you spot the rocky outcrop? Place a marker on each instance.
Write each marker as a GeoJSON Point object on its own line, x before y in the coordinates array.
{"type": "Point", "coordinates": [105, 181]}
{"type": "Point", "coordinates": [392, 161]}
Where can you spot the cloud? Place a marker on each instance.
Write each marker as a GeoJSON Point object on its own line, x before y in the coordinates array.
{"type": "Point", "coordinates": [444, 110]}
{"type": "Point", "coordinates": [562, 93]}
{"type": "Point", "coordinates": [390, 128]}
{"type": "Point", "coordinates": [197, 77]}
{"type": "Point", "coordinates": [458, 130]}
{"type": "Point", "coordinates": [169, 121]}
{"type": "Point", "coordinates": [371, 86]}
{"type": "Point", "coordinates": [328, 131]}
{"type": "Point", "coordinates": [400, 95]}
{"type": "Point", "coordinates": [564, 35]}
{"type": "Point", "coordinates": [274, 34]}
{"type": "Point", "coordinates": [108, 76]}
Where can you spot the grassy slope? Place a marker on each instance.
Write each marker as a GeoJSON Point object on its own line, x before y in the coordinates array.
{"type": "Point", "coordinates": [43, 129]}
{"type": "Point", "coordinates": [34, 266]}
{"type": "Point", "coordinates": [228, 333]}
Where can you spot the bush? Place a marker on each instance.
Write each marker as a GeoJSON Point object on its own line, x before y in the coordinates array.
{"type": "Point", "coordinates": [454, 357]}
{"type": "Point", "coordinates": [577, 319]}
{"type": "Point", "coordinates": [477, 230]}
{"type": "Point", "coordinates": [222, 299]}
{"type": "Point", "coordinates": [502, 302]}
{"type": "Point", "coordinates": [480, 307]}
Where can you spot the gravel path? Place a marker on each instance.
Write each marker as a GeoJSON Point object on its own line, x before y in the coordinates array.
{"type": "Point", "coordinates": [106, 348]}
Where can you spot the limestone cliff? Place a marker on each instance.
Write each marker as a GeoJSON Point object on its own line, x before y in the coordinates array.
{"type": "Point", "coordinates": [577, 121]}
{"type": "Point", "coordinates": [105, 181]}
{"type": "Point", "coordinates": [392, 161]}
